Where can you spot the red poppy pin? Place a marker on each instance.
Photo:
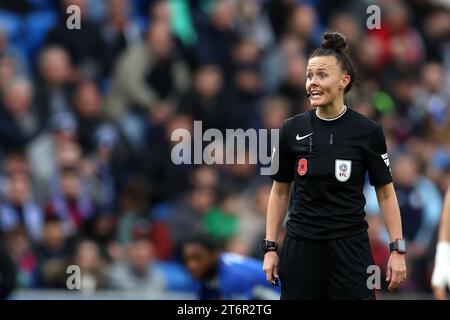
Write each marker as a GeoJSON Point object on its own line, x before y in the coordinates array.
{"type": "Point", "coordinates": [302, 166]}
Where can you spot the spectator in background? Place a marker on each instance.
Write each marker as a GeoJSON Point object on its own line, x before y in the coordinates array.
{"type": "Point", "coordinates": [401, 46]}
{"type": "Point", "coordinates": [302, 22]}
{"type": "Point", "coordinates": [437, 168]}
{"type": "Point", "coordinates": [278, 12]}
{"type": "Point", "coordinates": [171, 179]}
{"type": "Point", "coordinates": [54, 83]}
{"type": "Point", "coordinates": [207, 100]}
{"type": "Point", "coordinates": [134, 219]}
{"type": "Point", "coordinates": [43, 152]}
{"type": "Point", "coordinates": [408, 117]}
{"type": "Point", "coordinates": [87, 106]}
{"type": "Point", "coordinates": [18, 119]}
{"type": "Point", "coordinates": [369, 54]}
{"type": "Point", "coordinates": [68, 156]}
{"type": "Point", "coordinates": [98, 168]}
{"type": "Point", "coordinates": [225, 276]}
{"type": "Point", "coordinates": [13, 163]}
{"type": "Point", "coordinates": [159, 10]}
{"type": "Point", "coordinates": [134, 203]}
{"type": "Point", "coordinates": [292, 86]}
{"type": "Point", "coordinates": [8, 71]}
{"type": "Point", "coordinates": [274, 63]}
{"type": "Point", "coordinates": [103, 145]}
{"type": "Point", "coordinates": [102, 230]}
{"type": "Point", "coordinates": [119, 32]}
{"type": "Point", "coordinates": [253, 23]}
{"type": "Point", "coordinates": [141, 273]}
{"type": "Point", "coordinates": [148, 11]}
{"type": "Point", "coordinates": [205, 177]}
{"type": "Point", "coordinates": [187, 216]}
{"type": "Point", "coordinates": [217, 38]}
{"type": "Point", "coordinates": [20, 209]}
{"type": "Point", "coordinates": [70, 201]}
{"type": "Point", "coordinates": [433, 100]}
{"type": "Point", "coordinates": [247, 86]}
{"type": "Point", "coordinates": [240, 176]}
{"type": "Point", "coordinates": [53, 253]}
{"type": "Point", "coordinates": [436, 29]}
{"type": "Point", "coordinates": [93, 269]}
{"type": "Point", "coordinates": [222, 220]}
{"type": "Point", "coordinates": [84, 45]}
{"type": "Point", "coordinates": [168, 221]}
{"type": "Point", "coordinates": [20, 249]}
{"type": "Point", "coordinates": [276, 110]}
{"type": "Point", "coordinates": [147, 78]}
{"type": "Point", "coordinates": [348, 25]}
{"type": "Point", "coordinates": [420, 204]}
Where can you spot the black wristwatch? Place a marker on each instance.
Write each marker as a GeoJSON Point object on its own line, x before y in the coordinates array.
{"type": "Point", "coordinates": [267, 246]}
{"type": "Point", "coordinates": [398, 245]}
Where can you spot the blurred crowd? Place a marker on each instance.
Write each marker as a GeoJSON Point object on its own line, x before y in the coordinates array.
{"type": "Point", "coordinates": [86, 117]}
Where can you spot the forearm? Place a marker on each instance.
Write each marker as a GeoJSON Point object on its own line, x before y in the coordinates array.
{"type": "Point", "coordinates": [390, 211]}
{"type": "Point", "coordinates": [276, 211]}
{"type": "Point", "coordinates": [441, 273]}
{"type": "Point", "coordinates": [444, 226]}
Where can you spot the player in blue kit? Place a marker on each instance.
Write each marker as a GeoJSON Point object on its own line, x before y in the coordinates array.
{"type": "Point", "coordinates": [225, 275]}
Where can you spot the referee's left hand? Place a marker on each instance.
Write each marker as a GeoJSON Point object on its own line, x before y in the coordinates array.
{"type": "Point", "coordinates": [270, 265]}
{"type": "Point", "coordinates": [396, 270]}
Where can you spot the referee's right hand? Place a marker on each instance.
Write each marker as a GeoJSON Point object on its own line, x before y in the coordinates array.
{"type": "Point", "coordinates": [270, 265]}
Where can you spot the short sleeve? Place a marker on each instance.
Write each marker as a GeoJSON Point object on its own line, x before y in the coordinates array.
{"type": "Point", "coordinates": [283, 156]}
{"type": "Point", "coordinates": [377, 159]}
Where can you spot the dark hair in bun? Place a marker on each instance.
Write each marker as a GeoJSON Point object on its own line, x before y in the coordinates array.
{"type": "Point", "coordinates": [335, 44]}
{"type": "Point", "coordinates": [334, 41]}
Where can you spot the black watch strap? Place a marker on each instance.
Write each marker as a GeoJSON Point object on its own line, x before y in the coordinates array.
{"type": "Point", "coordinates": [268, 246]}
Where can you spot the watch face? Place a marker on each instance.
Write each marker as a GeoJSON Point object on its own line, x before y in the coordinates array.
{"type": "Point", "coordinates": [398, 245]}
{"type": "Point", "coordinates": [401, 246]}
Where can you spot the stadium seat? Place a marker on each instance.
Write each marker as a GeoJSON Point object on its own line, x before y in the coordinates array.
{"type": "Point", "coordinates": [37, 25]}
{"type": "Point", "coordinates": [11, 24]}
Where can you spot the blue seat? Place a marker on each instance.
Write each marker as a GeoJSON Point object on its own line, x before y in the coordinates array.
{"type": "Point", "coordinates": [43, 4]}
{"type": "Point", "coordinates": [37, 25]}
{"type": "Point", "coordinates": [11, 24]}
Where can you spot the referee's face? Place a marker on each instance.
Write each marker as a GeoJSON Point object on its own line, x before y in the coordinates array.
{"type": "Point", "coordinates": [325, 81]}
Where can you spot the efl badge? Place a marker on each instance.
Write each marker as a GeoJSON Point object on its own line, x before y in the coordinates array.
{"type": "Point", "coordinates": [342, 169]}
{"type": "Point", "coordinates": [302, 166]}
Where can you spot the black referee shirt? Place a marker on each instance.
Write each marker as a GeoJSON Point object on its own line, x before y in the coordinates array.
{"type": "Point", "coordinates": [328, 161]}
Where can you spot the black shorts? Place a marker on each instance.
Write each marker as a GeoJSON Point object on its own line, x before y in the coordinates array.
{"type": "Point", "coordinates": [326, 269]}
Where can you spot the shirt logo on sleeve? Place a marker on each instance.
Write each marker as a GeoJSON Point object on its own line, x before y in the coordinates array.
{"type": "Point", "coordinates": [302, 166]}
{"type": "Point", "coordinates": [342, 169]}
{"type": "Point", "coordinates": [385, 158]}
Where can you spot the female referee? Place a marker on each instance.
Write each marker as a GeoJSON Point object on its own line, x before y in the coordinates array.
{"type": "Point", "coordinates": [326, 152]}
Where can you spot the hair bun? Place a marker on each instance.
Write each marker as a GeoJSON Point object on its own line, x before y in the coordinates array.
{"type": "Point", "coordinates": [334, 41]}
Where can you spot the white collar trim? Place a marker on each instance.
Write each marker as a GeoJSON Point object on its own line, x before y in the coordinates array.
{"type": "Point", "coordinates": [335, 118]}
